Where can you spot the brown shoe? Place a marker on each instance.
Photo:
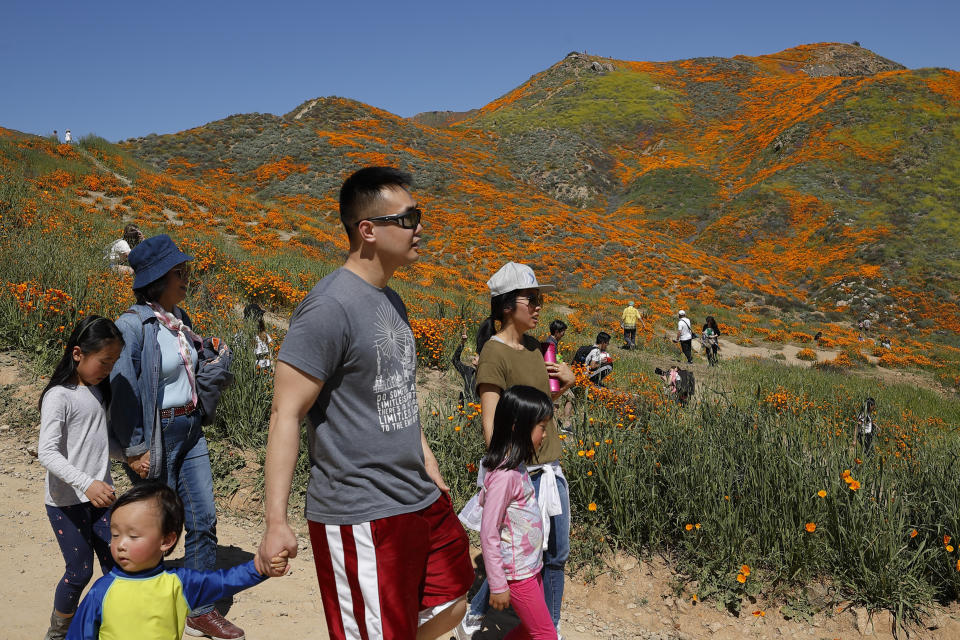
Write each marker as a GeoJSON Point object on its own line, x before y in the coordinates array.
{"type": "Point", "coordinates": [213, 625]}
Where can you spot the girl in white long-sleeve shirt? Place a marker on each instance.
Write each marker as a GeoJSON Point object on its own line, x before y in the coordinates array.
{"type": "Point", "coordinates": [74, 446]}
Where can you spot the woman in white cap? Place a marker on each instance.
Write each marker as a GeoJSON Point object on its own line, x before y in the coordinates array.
{"type": "Point", "coordinates": [508, 357]}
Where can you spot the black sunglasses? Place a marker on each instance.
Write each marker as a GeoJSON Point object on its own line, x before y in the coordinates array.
{"type": "Point", "coordinates": [533, 300]}
{"type": "Point", "coordinates": [409, 219]}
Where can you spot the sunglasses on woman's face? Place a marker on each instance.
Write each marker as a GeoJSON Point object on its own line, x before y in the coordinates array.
{"type": "Point", "coordinates": [409, 219]}
{"type": "Point", "coordinates": [532, 300]}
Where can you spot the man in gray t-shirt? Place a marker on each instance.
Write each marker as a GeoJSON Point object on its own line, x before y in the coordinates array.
{"type": "Point", "coordinates": [366, 458]}
{"type": "Point", "coordinates": [392, 558]}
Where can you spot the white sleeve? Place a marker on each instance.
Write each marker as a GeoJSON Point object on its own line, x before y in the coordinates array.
{"type": "Point", "coordinates": [53, 414]}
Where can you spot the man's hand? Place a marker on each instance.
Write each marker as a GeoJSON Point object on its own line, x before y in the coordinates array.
{"type": "Point", "coordinates": [100, 494]}
{"type": "Point", "coordinates": [140, 464]}
{"type": "Point", "coordinates": [278, 564]}
{"type": "Point", "coordinates": [500, 601]}
{"type": "Point", "coordinates": [278, 544]}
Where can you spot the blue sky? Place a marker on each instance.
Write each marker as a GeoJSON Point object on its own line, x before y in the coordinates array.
{"type": "Point", "coordinates": [125, 69]}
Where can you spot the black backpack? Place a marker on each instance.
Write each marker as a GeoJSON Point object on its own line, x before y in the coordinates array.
{"type": "Point", "coordinates": [580, 357]}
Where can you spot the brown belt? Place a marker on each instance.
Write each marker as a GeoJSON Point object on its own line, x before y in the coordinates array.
{"type": "Point", "coordinates": [177, 411]}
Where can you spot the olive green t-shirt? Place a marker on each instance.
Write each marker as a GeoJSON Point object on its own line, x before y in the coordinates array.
{"type": "Point", "coordinates": [504, 366]}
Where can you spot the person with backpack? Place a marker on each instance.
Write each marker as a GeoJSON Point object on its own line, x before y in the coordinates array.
{"type": "Point", "coordinates": [598, 362]}
{"type": "Point", "coordinates": [710, 338]}
{"type": "Point", "coordinates": [685, 335]}
{"type": "Point", "coordinates": [680, 383]}
{"type": "Point", "coordinates": [866, 429]}
{"type": "Point", "coordinates": [159, 406]}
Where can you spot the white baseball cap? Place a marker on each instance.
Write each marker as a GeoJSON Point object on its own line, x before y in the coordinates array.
{"type": "Point", "coordinates": [514, 276]}
{"type": "Point", "coordinates": [681, 312]}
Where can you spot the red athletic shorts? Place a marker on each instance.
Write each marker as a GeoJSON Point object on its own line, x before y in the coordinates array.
{"type": "Point", "coordinates": [375, 577]}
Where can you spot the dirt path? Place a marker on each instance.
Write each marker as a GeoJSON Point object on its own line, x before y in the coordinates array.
{"type": "Point", "coordinates": [789, 351]}
{"type": "Point", "coordinates": [632, 599]}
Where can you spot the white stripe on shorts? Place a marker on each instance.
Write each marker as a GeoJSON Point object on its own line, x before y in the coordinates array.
{"type": "Point", "coordinates": [367, 576]}
{"type": "Point", "coordinates": [337, 559]}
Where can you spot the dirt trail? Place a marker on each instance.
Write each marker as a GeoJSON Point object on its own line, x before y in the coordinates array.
{"type": "Point", "coordinates": [632, 599]}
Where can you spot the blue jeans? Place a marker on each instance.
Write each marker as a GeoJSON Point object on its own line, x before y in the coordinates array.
{"type": "Point", "coordinates": [186, 470]}
{"type": "Point", "coordinates": [554, 558]}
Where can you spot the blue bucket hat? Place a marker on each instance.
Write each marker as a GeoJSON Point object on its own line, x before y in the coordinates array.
{"type": "Point", "coordinates": [153, 258]}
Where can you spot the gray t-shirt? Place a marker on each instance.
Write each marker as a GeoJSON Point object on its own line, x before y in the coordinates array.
{"type": "Point", "coordinates": [365, 451]}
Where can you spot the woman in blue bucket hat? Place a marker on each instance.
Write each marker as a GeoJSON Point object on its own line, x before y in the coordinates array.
{"type": "Point", "coordinates": [155, 413]}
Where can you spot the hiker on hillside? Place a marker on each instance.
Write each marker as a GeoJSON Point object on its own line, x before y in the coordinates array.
{"type": "Point", "coordinates": [710, 338]}
{"type": "Point", "coordinates": [56, 136]}
{"type": "Point", "coordinates": [120, 249]}
{"type": "Point", "coordinates": [67, 137]}
{"type": "Point", "coordinates": [392, 559]}
{"type": "Point", "coordinates": [599, 363]}
{"type": "Point", "coordinates": [679, 383]}
{"type": "Point", "coordinates": [628, 320]}
{"type": "Point", "coordinates": [262, 341]}
{"type": "Point", "coordinates": [866, 429]}
{"type": "Point", "coordinates": [468, 372]}
{"type": "Point", "coordinates": [685, 335]}
{"type": "Point", "coordinates": [512, 357]}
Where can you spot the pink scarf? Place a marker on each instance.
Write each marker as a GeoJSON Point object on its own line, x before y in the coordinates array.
{"type": "Point", "coordinates": [184, 336]}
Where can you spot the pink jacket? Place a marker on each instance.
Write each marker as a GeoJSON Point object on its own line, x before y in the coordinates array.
{"type": "Point", "coordinates": [511, 531]}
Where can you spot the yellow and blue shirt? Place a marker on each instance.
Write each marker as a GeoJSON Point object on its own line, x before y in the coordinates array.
{"type": "Point", "coordinates": [153, 604]}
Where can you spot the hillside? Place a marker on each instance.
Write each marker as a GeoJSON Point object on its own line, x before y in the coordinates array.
{"type": "Point", "coordinates": [804, 179]}
{"type": "Point", "coordinates": [788, 195]}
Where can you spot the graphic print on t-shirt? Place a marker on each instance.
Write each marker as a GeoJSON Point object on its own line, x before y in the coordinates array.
{"type": "Point", "coordinates": [395, 384]}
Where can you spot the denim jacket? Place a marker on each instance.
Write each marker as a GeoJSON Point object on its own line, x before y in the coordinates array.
{"type": "Point", "coordinates": [136, 394]}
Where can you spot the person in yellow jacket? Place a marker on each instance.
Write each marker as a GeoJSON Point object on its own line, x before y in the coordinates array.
{"type": "Point", "coordinates": [628, 320]}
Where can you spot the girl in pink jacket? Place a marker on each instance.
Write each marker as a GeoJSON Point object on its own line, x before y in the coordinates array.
{"type": "Point", "coordinates": [511, 530]}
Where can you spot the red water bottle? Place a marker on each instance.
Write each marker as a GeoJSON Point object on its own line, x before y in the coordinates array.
{"type": "Point", "coordinates": [550, 355]}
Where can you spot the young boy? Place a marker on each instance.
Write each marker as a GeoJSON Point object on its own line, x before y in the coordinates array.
{"type": "Point", "coordinates": [599, 363]}
{"type": "Point", "coordinates": [140, 598]}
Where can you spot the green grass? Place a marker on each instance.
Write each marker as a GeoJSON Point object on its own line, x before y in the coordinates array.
{"type": "Point", "coordinates": [748, 472]}
{"type": "Point", "coordinates": [609, 105]}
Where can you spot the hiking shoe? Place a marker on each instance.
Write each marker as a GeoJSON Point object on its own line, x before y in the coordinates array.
{"type": "Point", "coordinates": [213, 625]}
{"type": "Point", "coordinates": [58, 627]}
{"type": "Point", "coordinates": [470, 624]}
